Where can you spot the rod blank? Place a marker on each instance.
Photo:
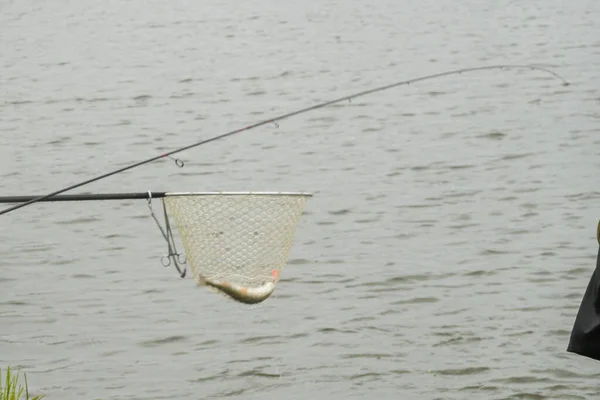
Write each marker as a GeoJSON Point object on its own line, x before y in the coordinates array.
{"type": "Point", "coordinates": [273, 120]}
{"type": "Point", "coordinates": [85, 197]}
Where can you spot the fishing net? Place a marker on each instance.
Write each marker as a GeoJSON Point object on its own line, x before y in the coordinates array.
{"type": "Point", "coordinates": [242, 238]}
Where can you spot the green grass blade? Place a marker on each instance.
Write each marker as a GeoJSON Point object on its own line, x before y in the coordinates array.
{"type": "Point", "coordinates": [26, 386]}
{"type": "Point", "coordinates": [11, 389]}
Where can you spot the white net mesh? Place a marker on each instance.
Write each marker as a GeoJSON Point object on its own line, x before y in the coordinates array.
{"type": "Point", "coordinates": [240, 238]}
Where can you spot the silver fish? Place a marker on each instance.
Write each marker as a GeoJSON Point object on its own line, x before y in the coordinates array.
{"type": "Point", "coordinates": [243, 294]}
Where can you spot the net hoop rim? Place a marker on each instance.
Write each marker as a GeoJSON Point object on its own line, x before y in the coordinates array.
{"type": "Point", "coordinates": [238, 193]}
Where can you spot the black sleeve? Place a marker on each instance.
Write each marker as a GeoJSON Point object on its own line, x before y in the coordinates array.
{"type": "Point", "coordinates": [585, 336]}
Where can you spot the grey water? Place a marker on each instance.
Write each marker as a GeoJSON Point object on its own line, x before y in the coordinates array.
{"type": "Point", "coordinates": [445, 251]}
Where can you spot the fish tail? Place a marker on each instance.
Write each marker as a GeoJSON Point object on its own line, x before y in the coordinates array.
{"type": "Point", "coordinates": [201, 281]}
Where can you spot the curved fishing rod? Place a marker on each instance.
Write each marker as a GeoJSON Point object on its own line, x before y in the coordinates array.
{"type": "Point", "coordinates": [281, 117]}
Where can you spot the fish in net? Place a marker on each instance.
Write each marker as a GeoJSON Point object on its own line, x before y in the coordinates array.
{"type": "Point", "coordinates": [235, 243]}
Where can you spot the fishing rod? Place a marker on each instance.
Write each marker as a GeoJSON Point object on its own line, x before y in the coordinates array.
{"type": "Point", "coordinates": [180, 164]}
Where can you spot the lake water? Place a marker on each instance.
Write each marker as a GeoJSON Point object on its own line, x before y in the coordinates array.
{"type": "Point", "coordinates": [445, 251]}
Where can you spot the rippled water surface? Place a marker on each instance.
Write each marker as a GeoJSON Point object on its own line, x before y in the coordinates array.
{"type": "Point", "coordinates": [444, 253]}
